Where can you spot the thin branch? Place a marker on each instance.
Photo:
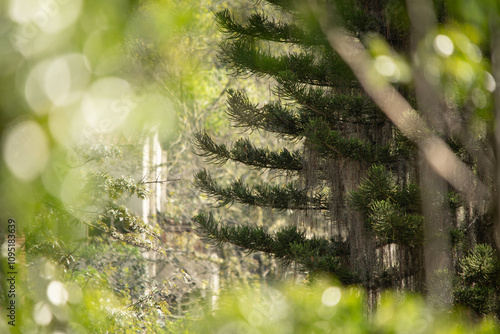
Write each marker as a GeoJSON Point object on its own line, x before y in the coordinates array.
{"type": "Point", "coordinates": [163, 181]}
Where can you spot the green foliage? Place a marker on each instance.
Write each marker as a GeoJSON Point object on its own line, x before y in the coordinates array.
{"type": "Point", "coordinates": [110, 216]}
{"type": "Point", "coordinates": [245, 152]}
{"type": "Point", "coordinates": [326, 308]}
{"type": "Point", "coordinates": [260, 26]}
{"type": "Point", "coordinates": [378, 184]}
{"type": "Point", "coordinates": [92, 297]}
{"type": "Point", "coordinates": [272, 117]}
{"type": "Point", "coordinates": [89, 74]}
{"type": "Point", "coordinates": [457, 237]}
{"type": "Point", "coordinates": [331, 143]}
{"type": "Point", "coordinates": [115, 188]}
{"type": "Point", "coordinates": [477, 283]}
{"type": "Point", "coordinates": [392, 225]}
{"type": "Point", "coordinates": [455, 200]}
{"type": "Point", "coordinates": [316, 120]}
{"type": "Point", "coordinates": [123, 269]}
{"type": "Point", "coordinates": [319, 104]}
{"type": "Point", "coordinates": [333, 109]}
{"type": "Point", "coordinates": [244, 58]}
{"type": "Point", "coordinates": [391, 211]}
{"type": "Point", "coordinates": [288, 244]}
{"type": "Point", "coordinates": [72, 77]}
{"type": "Point", "coordinates": [480, 266]}
{"type": "Point", "coordinates": [120, 224]}
{"type": "Point", "coordinates": [122, 266]}
{"type": "Point", "coordinates": [283, 197]}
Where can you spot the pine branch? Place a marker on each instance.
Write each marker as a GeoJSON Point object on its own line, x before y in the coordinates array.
{"type": "Point", "coordinates": [332, 144]}
{"type": "Point", "coordinates": [252, 239]}
{"type": "Point", "coordinates": [480, 265]}
{"type": "Point", "coordinates": [316, 126]}
{"type": "Point", "coordinates": [393, 225]}
{"type": "Point", "coordinates": [272, 117]}
{"type": "Point", "coordinates": [261, 27]}
{"type": "Point", "coordinates": [334, 108]}
{"type": "Point", "coordinates": [285, 5]}
{"type": "Point", "coordinates": [245, 152]}
{"type": "Point", "coordinates": [378, 185]}
{"type": "Point", "coordinates": [477, 283]}
{"type": "Point", "coordinates": [284, 197]}
{"type": "Point", "coordinates": [288, 245]}
{"type": "Point", "coordinates": [392, 212]}
{"type": "Point", "coordinates": [245, 58]}
{"type": "Point", "coordinates": [318, 130]}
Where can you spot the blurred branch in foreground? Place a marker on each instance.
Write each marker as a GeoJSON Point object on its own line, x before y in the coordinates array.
{"type": "Point", "coordinates": [437, 153]}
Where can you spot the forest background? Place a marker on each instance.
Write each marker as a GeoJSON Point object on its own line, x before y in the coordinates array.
{"type": "Point", "coordinates": [85, 85]}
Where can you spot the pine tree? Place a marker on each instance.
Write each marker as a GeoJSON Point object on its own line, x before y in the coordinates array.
{"type": "Point", "coordinates": [356, 173]}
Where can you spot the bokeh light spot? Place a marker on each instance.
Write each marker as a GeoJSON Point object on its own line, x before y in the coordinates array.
{"type": "Point", "coordinates": [57, 293]}
{"type": "Point", "coordinates": [66, 78]}
{"type": "Point", "coordinates": [490, 83]}
{"type": "Point", "coordinates": [26, 150]}
{"type": "Point", "coordinates": [386, 66]}
{"type": "Point", "coordinates": [479, 98]}
{"type": "Point", "coordinates": [50, 16]}
{"type": "Point", "coordinates": [433, 70]}
{"type": "Point", "coordinates": [474, 53]}
{"type": "Point", "coordinates": [49, 270]}
{"type": "Point", "coordinates": [102, 106]}
{"type": "Point", "coordinates": [255, 318]}
{"type": "Point", "coordinates": [59, 82]}
{"type": "Point", "coordinates": [62, 14]}
{"type": "Point", "coordinates": [63, 125]}
{"type": "Point", "coordinates": [42, 314]}
{"type": "Point", "coordinates": [443, 45]}
{"type": "Point", "coordinates": [22, 11]}
{"type": "Point", "coordinates": [331, 296]}
{"type": "Point", "coordinates": [34, 89]}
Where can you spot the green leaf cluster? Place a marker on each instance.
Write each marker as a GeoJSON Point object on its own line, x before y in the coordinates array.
{"type": "Point", "coordinates": [392, 212]}
{"type": "Point", "coordinates": [477, 285]}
